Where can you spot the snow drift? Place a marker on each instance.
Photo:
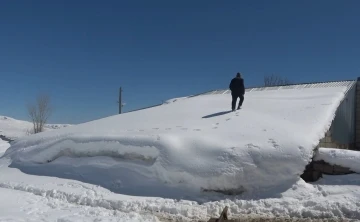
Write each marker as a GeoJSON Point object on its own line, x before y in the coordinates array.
{"type": "Point", "coordinates": [190, 144]}
{"type": "Point", "coordinates": [345, 158]}
{"type": "Point", "coordinates": [3, 147]}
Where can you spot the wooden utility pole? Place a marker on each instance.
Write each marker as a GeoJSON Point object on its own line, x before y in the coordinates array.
{"type": "Point", "coordinates": [120, 102]}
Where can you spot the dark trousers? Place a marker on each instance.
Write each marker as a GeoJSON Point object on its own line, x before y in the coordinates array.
{"type": "Point", "coordinates": [234, 98]}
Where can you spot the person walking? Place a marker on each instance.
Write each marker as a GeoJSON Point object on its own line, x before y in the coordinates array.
{"type": "Point", "coordinates": [237, 90]}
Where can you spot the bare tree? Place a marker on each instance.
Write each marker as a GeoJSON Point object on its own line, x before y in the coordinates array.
{"type": "Point", "coordinates": [275, 80]}
{"type": "Point", "coordinates": [39, 112]}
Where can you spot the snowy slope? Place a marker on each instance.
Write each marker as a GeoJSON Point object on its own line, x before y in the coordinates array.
{"type": "Point", "coordinates": [13, 128]}
{"type": "Point", "coordinates": [3, 147]}
{"type": "Point", "coordinates": [344, 158]}
{"type": "Point", "coordinates": [188, 145]}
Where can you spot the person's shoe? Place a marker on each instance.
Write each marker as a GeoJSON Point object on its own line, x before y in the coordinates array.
{"type": "Point", "coordinates": [239, 108]}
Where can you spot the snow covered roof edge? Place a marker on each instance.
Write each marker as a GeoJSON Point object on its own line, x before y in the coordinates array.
{"type": "Point", "coordinates": [347, 83]}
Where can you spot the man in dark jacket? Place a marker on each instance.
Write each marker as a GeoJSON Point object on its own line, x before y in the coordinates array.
{"type": "Point", "coordinates": [237, 90]}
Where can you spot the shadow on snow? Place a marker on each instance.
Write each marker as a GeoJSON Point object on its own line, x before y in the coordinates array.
{"type": "Point", "coordinates": [216, 114]}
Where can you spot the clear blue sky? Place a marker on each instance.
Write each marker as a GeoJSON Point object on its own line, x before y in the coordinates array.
{"type": "Point", "coordinates": [80, 52]}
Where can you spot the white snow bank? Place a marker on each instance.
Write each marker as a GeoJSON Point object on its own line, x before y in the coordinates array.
{"type": "Point", "coordinates": [331, 197]}
{"type": "Point", "coordinates": [340, 157]}
{"type": "Point", "coordinates": [25, 206]}
{"type": "Point", "coordinates": [3, 147]}
{"type": "Point", "coordinates": [191, 144]}
{"type": "Point", "coordinates": [13, 128]}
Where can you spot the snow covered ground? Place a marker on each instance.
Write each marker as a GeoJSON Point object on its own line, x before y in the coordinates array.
{"type": "Point", "coordinates": [25, 206]}
{"type": "Point", "coordinates": [57, 198]}
{"type": "Point", "coordinates": [155, 164]}
{"type": "Point", "coordinates": [13, 128]}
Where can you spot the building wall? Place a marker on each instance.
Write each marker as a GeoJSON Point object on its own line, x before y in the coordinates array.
{"type": "Point", "coordinates": [329, 142]}
{"type": "Point", "coordinates": [342, 132]}
{"type": "Point", "coordinates": [357, 116]}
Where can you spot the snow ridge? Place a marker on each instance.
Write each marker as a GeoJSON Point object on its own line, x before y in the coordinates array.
{"type": "Point", "coordinates": [3, 147]}
{"type": "Point", "coordinates": [78, 146]}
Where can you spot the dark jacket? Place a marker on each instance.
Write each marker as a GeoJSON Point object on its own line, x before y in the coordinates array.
{"type": "Point", "coordinates": [237, 86]}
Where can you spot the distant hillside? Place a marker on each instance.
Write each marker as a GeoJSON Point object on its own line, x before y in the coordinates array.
{"type": "Point", "coordinates": [13, 128]}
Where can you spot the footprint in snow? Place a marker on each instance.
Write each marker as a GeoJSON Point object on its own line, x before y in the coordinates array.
{"type": "Point", "coordinates": [168, 128]}
{"type": "Point", "coordinates": [197, 129]}
{"type": "Point", "coordinates": [184, 128]}
{"type": "Point", "coordinates": [155, 128]}
{"type": "Point", "coordinates": [228, 119]}
{"type": "Point", "coordinates": [252, 146]}
{"type": "Point", "coordinates": [215, 127]}
{"type": "Point", "coordinates": [274, 143]}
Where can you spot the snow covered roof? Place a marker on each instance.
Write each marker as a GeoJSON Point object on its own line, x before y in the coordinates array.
{"type": "Point", "coordinates": [190, 144]}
